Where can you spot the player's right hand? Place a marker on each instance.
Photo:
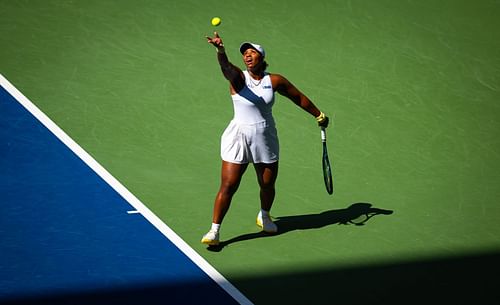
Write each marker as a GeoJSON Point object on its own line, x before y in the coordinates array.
{"type": "Point", "coordinates": [323, 120]}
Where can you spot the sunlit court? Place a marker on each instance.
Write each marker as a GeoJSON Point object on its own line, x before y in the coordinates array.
{"type": "Point", "coordinates": [111, 117]}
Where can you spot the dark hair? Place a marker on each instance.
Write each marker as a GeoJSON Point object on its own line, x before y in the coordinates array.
{"type": "Point", "coordinates": [265, 64]}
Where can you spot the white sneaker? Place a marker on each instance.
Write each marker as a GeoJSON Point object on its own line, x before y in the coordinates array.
{"type": "Point", "coordinates": [266, 223]}
{"type": "Point", "coordinates": [211, 238]}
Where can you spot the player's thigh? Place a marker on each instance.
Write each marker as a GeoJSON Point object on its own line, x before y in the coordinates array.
{"type": "Point", "coordinates": [231, 174]}
{"type": "Point", "coordinates": [267, 173]}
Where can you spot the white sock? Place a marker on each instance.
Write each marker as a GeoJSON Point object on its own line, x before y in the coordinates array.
{"type": "Point", "coordinates": [215, 227]}
{"type": "Point", "coordinates": [264, 213]}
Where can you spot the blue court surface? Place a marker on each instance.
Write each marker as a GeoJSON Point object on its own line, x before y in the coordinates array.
{"type": "Point", "coordinates": [71, 234]}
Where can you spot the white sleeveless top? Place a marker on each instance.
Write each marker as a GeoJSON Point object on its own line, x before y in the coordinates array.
{"type": "Point", "coordinates": [253, 104]}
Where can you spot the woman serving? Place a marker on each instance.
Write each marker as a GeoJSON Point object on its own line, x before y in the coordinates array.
{"type": "Point", "coordinates": [251, 136]}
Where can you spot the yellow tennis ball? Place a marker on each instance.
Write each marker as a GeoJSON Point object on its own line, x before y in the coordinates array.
{"type": "Point", "coordinates": [216, 21]}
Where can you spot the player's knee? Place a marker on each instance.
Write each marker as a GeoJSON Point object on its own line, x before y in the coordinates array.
{"type": "Point", "coordinates": [228, 188]}
{"type": "Point", "coordinates": [267, 186]}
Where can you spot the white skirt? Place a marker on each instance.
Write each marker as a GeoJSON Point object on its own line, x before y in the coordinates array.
{"type": "Point", "coordinates": [250, 143]}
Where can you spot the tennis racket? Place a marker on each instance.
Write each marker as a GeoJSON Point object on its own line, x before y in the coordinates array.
{"type": "Point", "coordinates": [327, 169]}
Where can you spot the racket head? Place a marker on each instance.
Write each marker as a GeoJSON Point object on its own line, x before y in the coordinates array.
{"type": "Point", "coordinates": [327, 171]}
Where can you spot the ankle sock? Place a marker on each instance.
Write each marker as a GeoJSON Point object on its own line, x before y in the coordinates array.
{"type": "Point", "coordinates": [215, 227]}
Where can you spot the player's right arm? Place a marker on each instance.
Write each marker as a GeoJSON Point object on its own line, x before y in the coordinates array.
{"type": "Point", "coordinates": [284, 87]}
{"type": "Point", "coordinates": [232, 73]}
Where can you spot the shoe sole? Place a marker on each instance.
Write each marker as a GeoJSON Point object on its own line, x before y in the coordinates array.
{"type": "Point", "coordinates": [210, 242]}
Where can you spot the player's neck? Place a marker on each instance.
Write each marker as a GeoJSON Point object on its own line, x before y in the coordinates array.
{"type": "Point", "coordinates": [256, 73]}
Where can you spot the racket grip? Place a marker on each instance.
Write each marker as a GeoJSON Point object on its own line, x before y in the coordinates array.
{"type": "Point", "coordinates": [323, 134]}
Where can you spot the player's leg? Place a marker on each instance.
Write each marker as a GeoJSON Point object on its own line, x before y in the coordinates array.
{"type": "Point", "coordinates": [231, 175]}
{"type": "Point", "coordinates": [267, 173]}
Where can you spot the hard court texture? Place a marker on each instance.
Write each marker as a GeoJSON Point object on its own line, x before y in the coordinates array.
{"type": "Point", "coordinates": [413, 91]}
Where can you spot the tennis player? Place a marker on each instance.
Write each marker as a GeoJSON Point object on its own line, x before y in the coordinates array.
{"type": "Point", "coordinates": [251, 136]}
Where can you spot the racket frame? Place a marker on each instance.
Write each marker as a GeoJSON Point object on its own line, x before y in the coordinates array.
{"type": "Point", "coordinates": [327, 169]}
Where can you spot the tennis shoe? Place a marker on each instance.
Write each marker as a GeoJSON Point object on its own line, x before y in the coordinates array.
{"type": "Point", "coordinates": [211, 238]}
{"type": "Point", "coordinates": [266, 223]}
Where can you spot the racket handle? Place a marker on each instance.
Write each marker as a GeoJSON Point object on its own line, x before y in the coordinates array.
{"type": "Point", "coordinates": [323, 134]}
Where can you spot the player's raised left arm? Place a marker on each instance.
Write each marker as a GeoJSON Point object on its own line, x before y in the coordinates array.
{"type": "Point", "coordinates": [232, 73]}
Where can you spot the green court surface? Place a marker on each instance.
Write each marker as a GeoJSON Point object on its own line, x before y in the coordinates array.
{"type": "Point", "coordinates": [413, 88]}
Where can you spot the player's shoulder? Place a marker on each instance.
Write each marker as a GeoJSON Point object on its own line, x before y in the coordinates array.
{"type": "Point", "coordinates": [278, 78]}
{"type": "Point", "coordinates": [279, 82]}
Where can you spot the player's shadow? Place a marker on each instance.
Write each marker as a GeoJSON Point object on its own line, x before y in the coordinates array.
{"type": "Point", "coordinates": [356, 214]}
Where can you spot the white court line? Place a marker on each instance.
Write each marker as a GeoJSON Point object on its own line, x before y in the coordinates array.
{"type": "Point", "coordinates": [125, 193]}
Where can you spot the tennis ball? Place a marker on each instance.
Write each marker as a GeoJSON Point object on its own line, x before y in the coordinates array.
{"type": "Point", "coordinates": [216, 21]}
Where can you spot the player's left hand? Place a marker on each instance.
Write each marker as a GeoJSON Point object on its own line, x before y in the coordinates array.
{"type": "Point", "coordinates": [216, 41]}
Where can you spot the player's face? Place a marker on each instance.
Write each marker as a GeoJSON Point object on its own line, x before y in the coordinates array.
{"type": "Point", "coordinates": [252, 58]}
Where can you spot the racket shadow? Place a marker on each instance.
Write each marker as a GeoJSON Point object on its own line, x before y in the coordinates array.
{"type": "Point", "coordinates": [356, 214]}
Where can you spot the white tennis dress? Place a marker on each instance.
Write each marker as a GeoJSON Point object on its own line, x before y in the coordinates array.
{"type": "Point", "coordinates": [251, 136]}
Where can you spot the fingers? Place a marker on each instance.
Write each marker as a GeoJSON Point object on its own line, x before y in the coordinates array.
{"type": "Point", "coordinates": [324, 123]}
{"type": "Point", "coordinates": [216, 35]}
{"type": "Point", "coordinates": [216, 40]}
